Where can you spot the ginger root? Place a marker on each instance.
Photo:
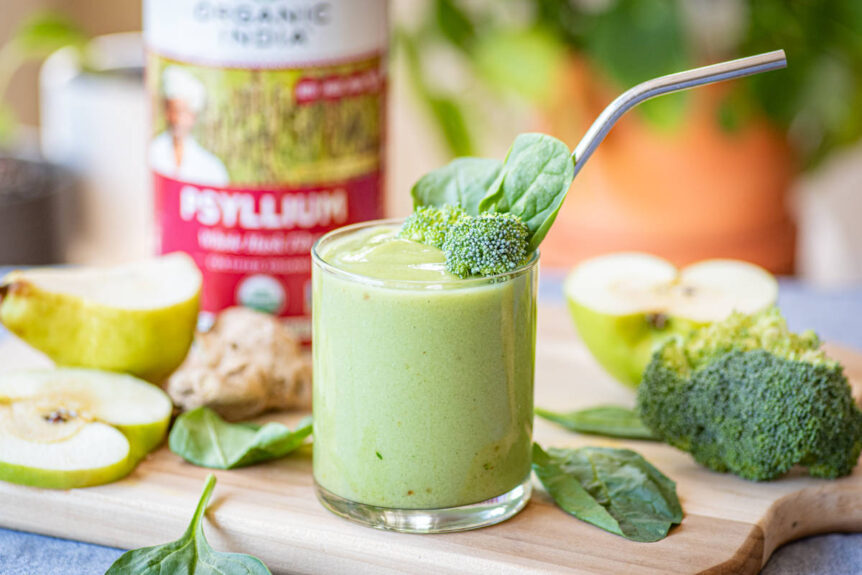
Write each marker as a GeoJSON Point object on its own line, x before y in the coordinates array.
{"type": "Point", "coordinates": [248, 363]}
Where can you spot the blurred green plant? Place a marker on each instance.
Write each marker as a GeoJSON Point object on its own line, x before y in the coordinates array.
{"type": "Point", "coordinates": [514, 49]}
{"type": "Point", "coordinates": [818, 99]}
{"type": "Point", "coordinates": [34, 39]}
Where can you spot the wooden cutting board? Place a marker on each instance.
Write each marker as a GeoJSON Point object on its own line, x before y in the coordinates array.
{"type": "Point", "coordinates": [730, 526]}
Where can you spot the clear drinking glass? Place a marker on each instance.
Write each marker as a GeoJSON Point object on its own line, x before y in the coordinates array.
{"type": "Point", "coordinates": [423, 395]}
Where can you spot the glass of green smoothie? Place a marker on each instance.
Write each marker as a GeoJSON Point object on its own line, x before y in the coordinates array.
{"type": "Point", "coordinates": [423, 384]}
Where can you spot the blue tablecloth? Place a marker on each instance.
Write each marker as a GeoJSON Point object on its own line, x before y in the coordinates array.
{"type": "Point", "coordinates": [834, 314]}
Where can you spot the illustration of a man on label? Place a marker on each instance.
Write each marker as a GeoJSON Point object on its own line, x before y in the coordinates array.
{"type": "Point", "coordinates": [175, 153]}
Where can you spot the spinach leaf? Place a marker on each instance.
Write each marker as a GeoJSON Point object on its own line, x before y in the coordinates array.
{"type": "Point", "coordinates": [533, 183]}
{"type": "Point", "coordinates": [608, 420]}
{"type": "Point", "coordinates": [615, 489]}
{"type": "Point", "coordinates": [463, 181]}
{"type": "Point", "coordinates": [201, 437]}
{"type": "Point", "coordinates": [190, 554]}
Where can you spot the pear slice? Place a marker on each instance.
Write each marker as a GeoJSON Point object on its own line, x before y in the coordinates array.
{"type": "Point", "coordinates": [71, 427]}
{"type": "Point", "coordinates": [138, 318]}
{"type": "Point", "coordinates": [625, 304]}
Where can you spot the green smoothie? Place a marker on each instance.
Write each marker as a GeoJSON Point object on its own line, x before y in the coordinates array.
{"type": "Point", "coordinates": [423, 382]}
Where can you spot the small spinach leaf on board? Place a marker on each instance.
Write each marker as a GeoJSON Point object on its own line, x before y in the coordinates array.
{"type": "Point", "coordinates": [615, 489]}
{"type": "Point", "coordinates": [533, 183]}
{"type": "Point", "coordinates": [607, 420]}
{"type": "Point", "coordinates": [462, 182]}
{"type": "Point", "coordinates": [201, 437]}
{"type": "Point", "coordinates": [190, 554]}
{"type": "Point", "coordinates": [569, 494]}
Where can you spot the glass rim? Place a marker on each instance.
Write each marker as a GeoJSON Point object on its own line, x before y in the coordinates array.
{"type": "Point", "coordinates": [458, 283]}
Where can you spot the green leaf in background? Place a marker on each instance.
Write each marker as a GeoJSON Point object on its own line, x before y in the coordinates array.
{"type": "Point", "coordinates": [46, 32]}
{"type": "Point", "coordinates": [734, 111]}
{"type": "Point", "coordinates": [607, 420]}
{"type": "Point", "coordinates": [454, 24]}
{"type": "Point", "coordinates": [452, 120]}
{"type": "Point", "coordinates": [635, 40]}
{"type": "Point", "coordinates": [521, 61]}
{"type": "Point", "coordinates": [446, 110]}
{"type": "Point", "coordinates": [615, 489]}
{"type": "Point", "coordinates": [533, 183]}
{"type": "Point", "coordinates": [190, 554]}
{"type": "Point", "coordinates": [36, 38]}
{"type": "Point", "coordinates": [7, 124]}
{"type": "Point", "coordinates": [201, 437]}
{"type": "Point", "coordinates": [817, 101]}
{"type": "Point", "coordinates": [462, 182]}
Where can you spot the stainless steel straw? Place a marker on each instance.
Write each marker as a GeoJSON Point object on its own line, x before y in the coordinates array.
{"type": "Point", "coordinates": [671, 83]}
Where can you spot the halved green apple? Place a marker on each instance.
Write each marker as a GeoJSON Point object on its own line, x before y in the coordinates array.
{"type": "Point", "coordinates": [138, 318]}
{"type": "Point", "coordinates": [624, 304]}
{"type": "Point", "coordinates": [68, 428]}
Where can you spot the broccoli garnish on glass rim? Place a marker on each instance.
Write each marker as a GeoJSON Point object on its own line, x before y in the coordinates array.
{"type": "Point", "coordinates": [484, 245]}
{"type": "Point", "coordinates": [428, 225]}
{"type": "Point", "coordinates": [750, 397]}
{"type": "Point", "coordinates": [487, 244]}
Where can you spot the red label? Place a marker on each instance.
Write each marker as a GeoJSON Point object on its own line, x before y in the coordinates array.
{"type": "Point", "coordinates": [312, 89]}
{"type": "Point", "coordinates": [253, 246]}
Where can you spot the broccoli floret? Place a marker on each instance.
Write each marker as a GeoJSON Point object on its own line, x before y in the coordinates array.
{"type": "Point", "coordinates": [749, 397]}
{"type": "Point", "coordinates": [487, 244]}
{"type": "Point", "coordinates": [428, 224]}
{"type": "Point", "coordinates": [483, 245]}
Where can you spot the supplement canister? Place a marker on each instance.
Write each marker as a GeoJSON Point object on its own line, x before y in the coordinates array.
{"type": "Point", "coordinates": [267, 130]}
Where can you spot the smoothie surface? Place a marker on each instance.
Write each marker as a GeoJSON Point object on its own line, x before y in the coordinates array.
{"type": "Point", "coordinates": [380, 254]}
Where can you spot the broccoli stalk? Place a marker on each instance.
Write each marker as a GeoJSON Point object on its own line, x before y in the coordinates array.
{"type": "Point", "coordinates": [488, 244]}
{"type": "Point", "coordinates": [749, 397]}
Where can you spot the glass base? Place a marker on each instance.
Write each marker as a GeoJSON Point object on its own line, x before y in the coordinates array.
{"type": "Point", "coordinates": [444, 520]}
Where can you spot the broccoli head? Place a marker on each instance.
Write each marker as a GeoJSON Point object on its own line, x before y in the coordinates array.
{"type": "Point", "coordinates": [428, 224]}
{"type": "Point", "coordinates": [488, 244]}
{"type": "Point", "coordinates": [750, 397]}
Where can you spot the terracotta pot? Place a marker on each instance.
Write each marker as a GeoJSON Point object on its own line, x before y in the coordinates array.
{"type": "Point", "coordinates": [687, 193]}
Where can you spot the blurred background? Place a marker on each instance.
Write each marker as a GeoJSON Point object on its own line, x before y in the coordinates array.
{"type": "Point", "coordinates": [767, 169]}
